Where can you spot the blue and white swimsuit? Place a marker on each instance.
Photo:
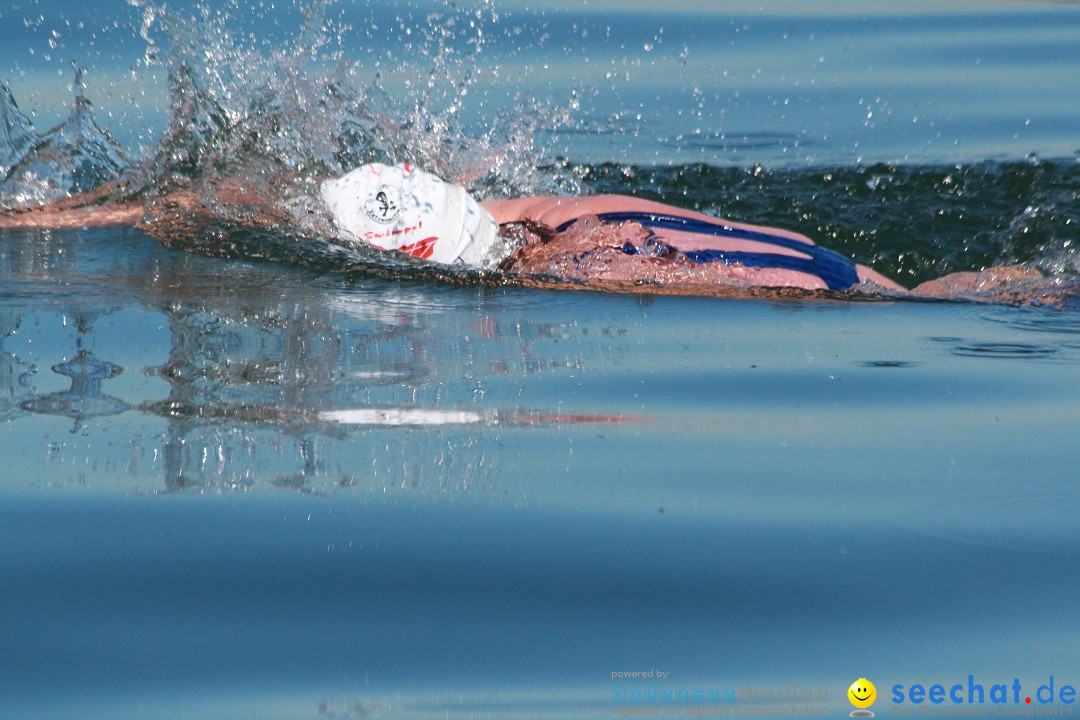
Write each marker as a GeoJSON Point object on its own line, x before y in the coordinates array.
{"type": "Point", "coordinates": [835, 270]}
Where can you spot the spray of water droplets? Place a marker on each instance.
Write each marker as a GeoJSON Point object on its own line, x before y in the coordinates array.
{"type": "Point", "coordinates": [288, 107]}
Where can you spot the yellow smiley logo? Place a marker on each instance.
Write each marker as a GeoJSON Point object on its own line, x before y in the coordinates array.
{"type": "Point", "coordinates": [862, 693]}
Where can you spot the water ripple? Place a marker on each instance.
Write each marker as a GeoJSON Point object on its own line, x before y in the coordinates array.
{"type": "Point", "coordinates": [888, 364]}
{"type": "Point", "coordinates": [1040, 320]}
{"type": "Point", "coordinates": [1003, 350]}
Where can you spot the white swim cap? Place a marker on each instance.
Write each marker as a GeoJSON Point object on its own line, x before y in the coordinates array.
{"type": "Point", "coordinates": [403, 208]}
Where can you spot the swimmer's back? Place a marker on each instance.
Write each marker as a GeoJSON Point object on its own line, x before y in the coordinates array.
{"type": "Point", "coordinates": [556, 212]}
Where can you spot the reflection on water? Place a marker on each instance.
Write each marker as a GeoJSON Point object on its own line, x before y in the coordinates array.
{"type": "Point", "coordinates": [805, 471]}
{"type": "Point", "coordinates": [84, 399]}
{"type": "Point", "coordinates": [264, 380]}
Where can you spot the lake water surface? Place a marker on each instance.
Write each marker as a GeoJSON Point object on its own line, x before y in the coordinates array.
{"type": "Point", "coordinates": [252, 488]}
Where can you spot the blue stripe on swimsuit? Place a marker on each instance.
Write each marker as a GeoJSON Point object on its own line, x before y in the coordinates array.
{"type": "Point", "coordinates": [835, 270]}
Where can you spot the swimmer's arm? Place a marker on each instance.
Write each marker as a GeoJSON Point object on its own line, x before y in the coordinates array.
{"type": "Point", "coordinates": [89, 209]}
{"type": "Point", "coordinates": [53, 217]}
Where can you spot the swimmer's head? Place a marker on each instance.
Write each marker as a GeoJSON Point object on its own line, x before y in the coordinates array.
{"type": "Point", "coordinates": [401, 207]}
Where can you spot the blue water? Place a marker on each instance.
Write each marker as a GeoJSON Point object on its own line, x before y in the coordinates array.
{"type": "Point", "coordinates": [237, 488]}
{"type": "Point", "coordinates": [923, 82]}
{"type": "Point", "coordinates": [769, 493]}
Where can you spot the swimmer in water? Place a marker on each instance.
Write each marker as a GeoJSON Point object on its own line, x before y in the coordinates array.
{"type": "Point", "coordinates": [599, 238]}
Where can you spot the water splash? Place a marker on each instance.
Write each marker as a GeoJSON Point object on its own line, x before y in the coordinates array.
{"type": "Point", "coordinates": [74, 157]}
{"type": "Point", "coordinates": [302, 109]}
{"type": "Point", "coordinates": [284, 112]}
{"type": "Point", "coordinates": [17, 135]}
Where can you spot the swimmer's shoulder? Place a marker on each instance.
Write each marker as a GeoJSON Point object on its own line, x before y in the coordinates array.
{"type": "Point", "coordinates": [555, 210]}
{"type": "Point", "coordinates": [518, 209]}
